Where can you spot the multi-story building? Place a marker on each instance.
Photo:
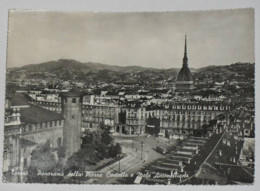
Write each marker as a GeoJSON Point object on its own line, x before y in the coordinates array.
{"type": "Point", "coordinates": [242, 122]}
{"type": "Point", "coordinates": [132, 118]}
{"type": "Point", "coordinates": [94, 115]}
{"type": "Point", "coordinates": [184, 118]}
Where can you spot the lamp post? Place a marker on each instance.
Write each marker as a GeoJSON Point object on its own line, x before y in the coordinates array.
{"type": "Point", "coordinates": [142, 143]}
{"type": "Point", "coordinates": [119, 155]}
{"type": "Point", "coordinates": [132, 142]}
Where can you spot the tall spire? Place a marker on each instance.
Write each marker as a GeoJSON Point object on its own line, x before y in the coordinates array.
{"type": "Point", "coordinates": [185, 58]}
{"type": "Point", "coordinates": [185, 48]}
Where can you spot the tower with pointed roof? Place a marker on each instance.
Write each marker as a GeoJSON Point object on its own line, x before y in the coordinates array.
{"type": "Point", "coordinates": [184, 79]}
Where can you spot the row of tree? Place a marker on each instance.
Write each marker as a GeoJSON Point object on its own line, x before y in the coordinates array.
{"type": "Point", "coordinates": [96, 146]}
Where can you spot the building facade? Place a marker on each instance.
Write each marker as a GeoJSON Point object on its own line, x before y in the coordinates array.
{"type": "Point", "coordinates": [132, 120]}
{"type": "Point", "coordinates": [185, 118]}
{"type": "Point", "coordinates": [94, 115]}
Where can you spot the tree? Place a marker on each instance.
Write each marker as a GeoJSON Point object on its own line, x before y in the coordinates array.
{"type": "Point", "coordinates": [91, 138]}
{"type": "Point", "coordinates": [79, 160]}
{"type": "Point", "coordinates": [118, 148]}
{"type": "Point", "coordinates": [45, 159]}
{"type": "Point", "coordinates": [115, 150]}
{"type": "Point", "coordinates": [167, 133]}
{"type": "Point", "coordinates": [61, 152]}
{"type": "Point", "coordinates": [96, 146]}
{"type": "Point", "coordinates": [204, 129]}
{"type": "Point", "coordinates": [32, 175]}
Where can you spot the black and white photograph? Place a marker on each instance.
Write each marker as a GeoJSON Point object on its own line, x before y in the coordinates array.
{"type": "Point", "coordinates": [130, 98]}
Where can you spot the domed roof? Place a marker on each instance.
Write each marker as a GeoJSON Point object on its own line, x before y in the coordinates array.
{"type": "Point", "coordinates": [184, 74]}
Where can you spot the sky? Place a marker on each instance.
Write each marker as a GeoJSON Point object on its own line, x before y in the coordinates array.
{"type": "Point", "coordinates": [216, 37]}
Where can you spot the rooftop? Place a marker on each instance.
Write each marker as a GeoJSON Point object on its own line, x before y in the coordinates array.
{"type": "Point", "coordinates": [35, 114]}
{"type": "Point", "coordinates": [27, 143]}
{"type": "Point", "coordinates": [72, 93]}
{"type": "Point", "coordinates": [18, 99]}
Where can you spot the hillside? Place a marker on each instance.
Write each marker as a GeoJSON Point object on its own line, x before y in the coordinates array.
{"type": "Point", "coordinates": [76, 65]}
{"type": "Point", "coordinates": [89, 72]}
{"type": "Point", "coordinates": [67, 69]}
{"type": "Point", "coordinates": [237, 71]}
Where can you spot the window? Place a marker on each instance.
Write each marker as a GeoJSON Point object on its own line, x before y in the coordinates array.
{"type": "Point", "coordinates": [24, 162]}
{"type": "Point", "coordinates": [65, 100]}
{"type": "Point", "coordinates": [74, 100]}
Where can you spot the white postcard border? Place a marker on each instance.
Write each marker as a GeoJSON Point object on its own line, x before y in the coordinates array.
{"type": "Point", "coordinates": [125, 6]}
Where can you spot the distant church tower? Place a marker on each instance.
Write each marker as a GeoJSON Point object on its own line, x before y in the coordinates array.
{"type": "Point", "coordinates": [71, 103]}
{"type": "Point", "coordinates": [185, 79]}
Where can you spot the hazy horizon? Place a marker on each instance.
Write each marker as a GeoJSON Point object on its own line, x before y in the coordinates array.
{"type": "Point", "coordinates": [155, 40]}
{"type": "Point", "coordinates": [130, 65]}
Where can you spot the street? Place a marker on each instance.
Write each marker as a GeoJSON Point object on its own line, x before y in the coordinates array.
{"type": "Point", "coordinates": [136, 157]}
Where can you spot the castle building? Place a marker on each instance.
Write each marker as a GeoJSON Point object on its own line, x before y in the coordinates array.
{"type": "Point", "coordinates": [185, 79]}
{"type": "Point", "coordinates": [71, 103]}
{"type": "Point", "coordinates": [26, 126]}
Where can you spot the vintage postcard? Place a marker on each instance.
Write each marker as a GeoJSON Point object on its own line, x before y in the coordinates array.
{"type": "Point", "coordinates": [151, 98]}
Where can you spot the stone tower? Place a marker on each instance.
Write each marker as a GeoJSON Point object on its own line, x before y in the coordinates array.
{"type": "Point", "coordinates": [71, 104]}
{"type": "Point", "coordinates": [185, 79]}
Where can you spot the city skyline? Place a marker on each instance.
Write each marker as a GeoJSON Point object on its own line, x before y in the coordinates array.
{"type": "Point", "coordinates": [72, 122]}
{"type": "Point", "coordinates": [147, 39]}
